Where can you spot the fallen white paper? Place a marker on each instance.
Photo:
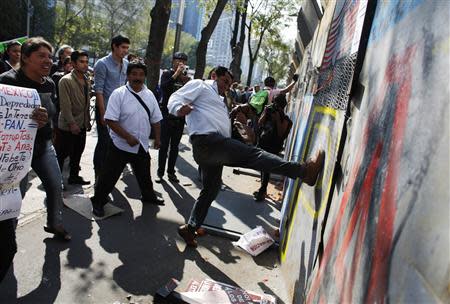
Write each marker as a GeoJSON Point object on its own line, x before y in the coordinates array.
{"type": "Point", "coordinates": [255, 241]}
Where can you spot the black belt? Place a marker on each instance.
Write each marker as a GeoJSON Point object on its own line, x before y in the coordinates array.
{"type": "Point", "coordinates": [198, 135]}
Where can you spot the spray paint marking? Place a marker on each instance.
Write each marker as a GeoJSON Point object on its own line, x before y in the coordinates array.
{"type": "Point", "coordinates": [398, 74]}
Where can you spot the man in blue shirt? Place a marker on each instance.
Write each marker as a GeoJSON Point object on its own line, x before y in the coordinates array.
{"type": "Point", "coordinates": [109, 74]}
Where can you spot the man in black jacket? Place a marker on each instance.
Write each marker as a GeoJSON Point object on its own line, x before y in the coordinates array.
{"type": "Point", "coordinates": [171, 126]}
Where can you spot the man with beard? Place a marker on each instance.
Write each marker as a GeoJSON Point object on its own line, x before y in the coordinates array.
{"type": "Point", "coordinates": [131, 114]}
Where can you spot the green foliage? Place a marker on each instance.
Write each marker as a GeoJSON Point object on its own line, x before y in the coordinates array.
{"type": "Point", "coordinates": [275, 56]}
{"type": "Point", "coordinates": [89, 24]}
{"type": "Point", "coordinates": [188, 45]}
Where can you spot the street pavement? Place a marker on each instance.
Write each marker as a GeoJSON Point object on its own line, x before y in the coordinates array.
{"type": "Point", "coordinates": [126, 258]}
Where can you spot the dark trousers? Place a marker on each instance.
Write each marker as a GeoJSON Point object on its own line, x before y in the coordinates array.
{"type": "Point", "coordinates": [214, 151]}
{"type": "Point", "coordinates": [171, 132]}
{"type": "Point", "coordinates": [68, 144]}
{"type": "Point", "coordinates": [8, 246]}
{"type": "Point", "coordinates": [265, 177]}
{"type": "Point", "coordinates": [115, 162]}
{"type": "Point", "coordinates": [101, 148]}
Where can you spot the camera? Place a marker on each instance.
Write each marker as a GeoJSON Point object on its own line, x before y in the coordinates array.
{"type": "Point", "coordinates": [185, 70]}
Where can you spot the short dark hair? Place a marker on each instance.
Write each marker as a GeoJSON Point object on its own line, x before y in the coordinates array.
{"type": "Point", "coordinates": [8, 46]}
{"type": "Point", "coordinates": [222, 71]}
{"type": "Point", "coordinates": [33, 44]}
{"type": "Point", "coordinates": [136, 64]}
{"type": "Point", "coordinates": [180, 56]}
{"type": "Point", "coordinates": [118, 40]}
{"type": "Point", "coordinates": [77, 54]}
{"type": "Point", "coordinates": [269, 81]}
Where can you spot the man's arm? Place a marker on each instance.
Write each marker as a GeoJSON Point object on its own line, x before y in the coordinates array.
{"type": "Point", "coordinates": [180, 103]}
{"type": "Point", "coordinates": [115, 126]}
{"type": "Point", "coordinates": [99, 80]}
{"type": "Point", "coordinates": [66, 106]}
{"type": "Point", "coordinates": [290, 86]}
{"type": "Point", "coordinates": [166, 80]}
{"type": "Point", "coordinates": [156, 127]}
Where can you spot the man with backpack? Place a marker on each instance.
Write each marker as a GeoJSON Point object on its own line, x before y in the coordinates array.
{"type": "Point", "coordinates": [265, 96]}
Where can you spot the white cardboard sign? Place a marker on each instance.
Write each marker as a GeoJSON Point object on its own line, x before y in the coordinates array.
{"type": "Point", "coordinates": [17, 134]}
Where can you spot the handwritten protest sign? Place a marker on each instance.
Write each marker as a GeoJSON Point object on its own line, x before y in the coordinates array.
{"type": "Point", "coordinates": [17, 133]}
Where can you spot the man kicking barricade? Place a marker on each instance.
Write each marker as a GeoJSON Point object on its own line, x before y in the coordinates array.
{"type": "Point", "coordinates": [209, 128]}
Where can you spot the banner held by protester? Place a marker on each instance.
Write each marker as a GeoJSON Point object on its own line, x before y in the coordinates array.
{"type": "Point", "coordinates": [17, 134]}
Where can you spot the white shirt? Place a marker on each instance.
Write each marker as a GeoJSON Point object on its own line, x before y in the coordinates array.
{"type": "Point", "coordinates": [209, 114]}
{"type": "Point", "coordinates": [124, 108]}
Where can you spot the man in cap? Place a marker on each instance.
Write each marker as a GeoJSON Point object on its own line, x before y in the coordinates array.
{"type": "Point", "coordinates": [172, 126]}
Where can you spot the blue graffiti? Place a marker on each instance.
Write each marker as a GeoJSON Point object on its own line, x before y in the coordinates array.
{"type": "Point", "coordinates": [388, 14]}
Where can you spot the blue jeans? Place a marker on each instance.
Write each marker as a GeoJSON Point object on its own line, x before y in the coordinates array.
{"type": "Point", "coordinates": [214, 151]}
{"type": "Point", "coordinates": [171, 132]}
{"type": "Point", "coordinates": [45, 164]}
{"type": "Point", "coordinates": [101, 148]}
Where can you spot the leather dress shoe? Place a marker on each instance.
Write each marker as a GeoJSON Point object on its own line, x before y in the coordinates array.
{"type": "Point", "coordinates": [154, 201]}
{"type": "Point", "coordinates": [187, 235]}
{"type": "Point", "coordinates": [173, 178]}
{"type": "Point", "coordinates": [77, 180]}
{"type": "Point", "coordinates": [313, 168]}
{"type": "Point", "coordinates": [97, 209]}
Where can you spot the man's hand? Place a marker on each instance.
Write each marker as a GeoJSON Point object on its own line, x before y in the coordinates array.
{"type": "Point", "coordinates": [132, 141]}
{"type": "Point", "coordinates": [185, 110]}
{"type": "Point", "coordinates": [179, 70]}
{"type": "Point", "coordinates": [40, 115]}
{"type": "Point", "coordinates": [156, 144]}
{"type": "Point", "coordinates": [74, 129]}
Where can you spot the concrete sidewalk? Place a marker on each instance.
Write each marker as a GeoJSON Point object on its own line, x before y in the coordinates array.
{"type": "Point", "coordinates": [126, 258]}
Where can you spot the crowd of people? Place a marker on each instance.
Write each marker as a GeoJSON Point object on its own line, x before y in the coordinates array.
{"type": "Point", "coordinates": [228, 125]}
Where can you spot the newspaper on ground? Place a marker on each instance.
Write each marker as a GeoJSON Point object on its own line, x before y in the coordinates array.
{"type": "Point", "coordinates": [210, 291]}
{"type": "Point", "coordinates": [255, 241]}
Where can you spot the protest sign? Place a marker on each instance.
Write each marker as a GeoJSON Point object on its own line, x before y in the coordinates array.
{"type": "Point", "coordinates": [17, 134]}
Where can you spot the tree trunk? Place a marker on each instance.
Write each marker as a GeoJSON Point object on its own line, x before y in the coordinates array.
{"type": "Point", "coordinates": [160, 20]}
{"type": "Point", "coordinates": [238, 49]}
{"type": "Point", "coordinates": [237, 17]}
{"type": "Point", "coordinates": [206, 35]}
{"type": "Point", "coordinates": [253, 56]}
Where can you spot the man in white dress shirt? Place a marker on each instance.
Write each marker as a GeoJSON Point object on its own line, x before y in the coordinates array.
{"type": "Point", "coordinates": [209, 128]}
{"type": "Point", "coordinates": [131, 114]}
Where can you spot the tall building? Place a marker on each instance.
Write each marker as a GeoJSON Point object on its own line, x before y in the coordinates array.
{"type": "Point", "coordinates": [192, 17]}
{"type": "Point", "coordinates": [219, 51]}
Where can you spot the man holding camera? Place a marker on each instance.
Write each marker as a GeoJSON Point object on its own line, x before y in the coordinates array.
{"type": "Point", "coordinates": [273, 128]}
{"type": "Point", "coordinates": [172, 126]}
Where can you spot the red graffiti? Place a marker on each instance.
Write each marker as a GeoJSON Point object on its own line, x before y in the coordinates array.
{"type": "Point", "coordinates": [398, 74]}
